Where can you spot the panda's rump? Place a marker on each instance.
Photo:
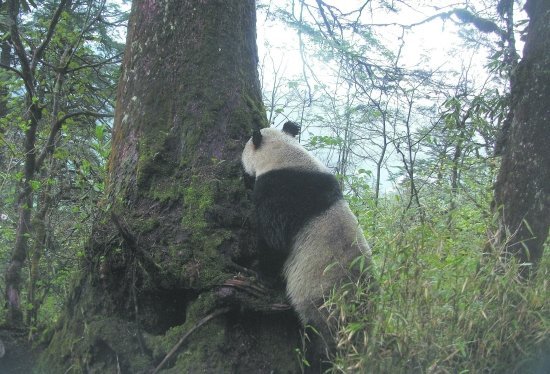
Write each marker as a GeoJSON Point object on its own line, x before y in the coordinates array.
{"type": "Point", "coordinates": [321, 254]}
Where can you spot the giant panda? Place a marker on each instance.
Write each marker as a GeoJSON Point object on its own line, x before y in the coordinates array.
{"type": "Point", "coordinates": [302, 217]}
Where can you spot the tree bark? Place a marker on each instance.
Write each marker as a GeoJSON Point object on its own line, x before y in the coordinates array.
{"type": "Point", "coordinates": [522, 188]}
{"type": "Point", "coordinates": [176, 227]}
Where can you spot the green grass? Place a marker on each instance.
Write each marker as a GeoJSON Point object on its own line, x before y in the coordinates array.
{"type": "Point", "coordinates": [442, 306]}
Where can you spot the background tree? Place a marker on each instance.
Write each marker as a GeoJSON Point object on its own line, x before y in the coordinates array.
{"type": "Point", "coordinates": [59, 77]}
{"type": "Point", "coordinates": [175, 227]}
{"type": "Point", "coordinates": [522, 188]}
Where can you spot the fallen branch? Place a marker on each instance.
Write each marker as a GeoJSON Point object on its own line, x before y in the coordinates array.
{"type": "Point", "coordinates": [186, 335]}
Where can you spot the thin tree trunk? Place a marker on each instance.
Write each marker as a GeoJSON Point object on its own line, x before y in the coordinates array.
{"type": "Point", "coordinates": [25, 203]}
{"type": "Point", "coordinates": [522, 188]}
{"type": "Point", "coordinates": [40, 234]}
{"type": "Point", "coordinates": [5, 60]}
{"type": "Point", "coordinates": [380, 160]}
{"type": "Point", "coordinates": [39, 228]}
{"type": "Point", "coordinates": [28, 65]}
{"type": "Point", "coordinates": [455, 166]}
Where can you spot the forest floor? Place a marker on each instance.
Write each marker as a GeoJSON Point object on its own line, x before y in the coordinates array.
{"type": "Point", "coordinates": [19, 357]}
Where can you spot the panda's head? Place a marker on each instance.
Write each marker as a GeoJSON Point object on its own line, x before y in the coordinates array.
{"type": "Point", "coordinates": [271, 149]}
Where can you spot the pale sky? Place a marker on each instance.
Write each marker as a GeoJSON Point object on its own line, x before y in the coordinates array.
{"type": "Point", "coordinates": [434, 45]}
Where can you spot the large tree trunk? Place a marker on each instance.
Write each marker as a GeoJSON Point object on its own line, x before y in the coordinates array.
{"type": "Point", "coordinates": [522, 189]}
{"type": "Point", "coordinates": [176, 226]}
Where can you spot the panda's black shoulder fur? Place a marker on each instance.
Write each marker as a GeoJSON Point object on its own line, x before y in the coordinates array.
{"type": "Point", "coordinates": [287, 199]}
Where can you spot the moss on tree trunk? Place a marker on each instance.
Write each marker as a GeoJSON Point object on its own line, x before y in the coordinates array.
{"type": "Point", "coordinates": [176, 223]}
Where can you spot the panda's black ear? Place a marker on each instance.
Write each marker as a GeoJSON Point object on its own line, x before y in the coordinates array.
{"type": "Point", "coordinates": [257, 138]}
{"type": "Point", "coordinates": [291, 128]}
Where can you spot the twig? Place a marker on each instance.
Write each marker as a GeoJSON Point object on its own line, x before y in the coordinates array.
{"type": "Point", "coordinates": [186, 335]}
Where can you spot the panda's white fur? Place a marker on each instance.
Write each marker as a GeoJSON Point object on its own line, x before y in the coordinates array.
{"type": "Point", "coordinates": [322, 252]}
{"type": "Point", "coordinates": [326, 240]}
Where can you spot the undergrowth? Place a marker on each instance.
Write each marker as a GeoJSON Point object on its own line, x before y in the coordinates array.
{"type": "Point", "coordinates": [442, 305]}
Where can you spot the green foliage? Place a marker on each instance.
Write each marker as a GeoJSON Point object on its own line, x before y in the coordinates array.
{"type": "Point", "coordinates": [442, 304]}
{"type": "Point", "coordinates": [74, 83]}
{"type": "Point", "coordinates": [323, 141]}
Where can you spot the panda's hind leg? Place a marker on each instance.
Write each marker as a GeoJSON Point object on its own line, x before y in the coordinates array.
{"type": "Point", "coordinates": [317, 355]}
{"type": "Point", "coordinates": [320, 346]}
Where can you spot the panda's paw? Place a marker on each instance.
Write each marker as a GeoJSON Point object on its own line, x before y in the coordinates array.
{"type": "Point", "coordinates": [250, 285]}
{"type": "Point", "coordinates": [251, 294]}
{"type": "Point", "coordinates": [244, 270]}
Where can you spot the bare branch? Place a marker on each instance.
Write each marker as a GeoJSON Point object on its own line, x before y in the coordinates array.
{"type": "Point", "coordinates": [41, 48]}
{"type": "Point", "coordinates": [50, 144]}
{"type": "Point", "coordinates": [464, 15]}
{"type": "Point", "coordinates": [482, 24]}
{"type": "Point", "coordinates": [88, 25]}
{"type": "Point", "coordinates": [11, 68]}
{"type": "Point", "coordinates": [195, 327]}
{"type": "Point", "coordinates": [111, 60]}
{"type": "Point", "coordinates": [15, 38]}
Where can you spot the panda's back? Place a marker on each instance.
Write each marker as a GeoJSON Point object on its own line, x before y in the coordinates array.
{"type": "Point", "coordinates": [287, 199]}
